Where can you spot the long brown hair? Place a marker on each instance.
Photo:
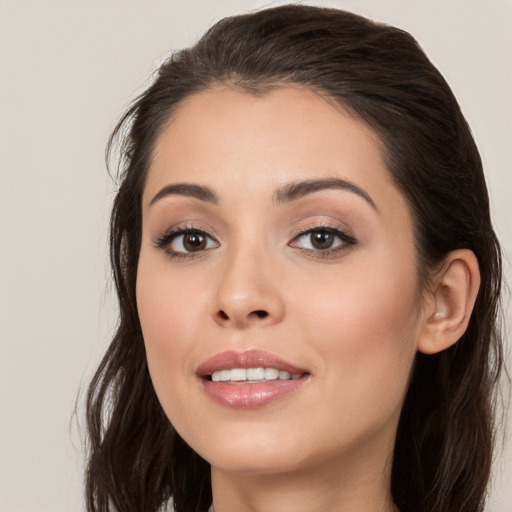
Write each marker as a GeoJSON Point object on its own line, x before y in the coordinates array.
{"type": "Point", "coordinates": [443, 452]}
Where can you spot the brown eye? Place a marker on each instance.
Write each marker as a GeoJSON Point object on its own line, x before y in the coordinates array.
{"type": "Point", "coordinates": [321, 239]}
{"type": "Point", "coordinates": [186, 241]}
{"type": "Point", "coordinates": [193, 242]}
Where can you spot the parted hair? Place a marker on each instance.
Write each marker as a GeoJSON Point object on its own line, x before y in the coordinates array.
{"type": "Point", "coordinates": [444, 445]}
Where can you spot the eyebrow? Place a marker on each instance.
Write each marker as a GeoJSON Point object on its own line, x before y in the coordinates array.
{"type": "Point", "coordinates": [289, 192]}
{"type": "Point", "coordinates": [298, 189]}
{"type": "Point", "coordinates": [189, 190]}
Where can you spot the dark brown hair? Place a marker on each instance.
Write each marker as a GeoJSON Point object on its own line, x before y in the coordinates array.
{"type": "Point", "coordinates": [443, 452]}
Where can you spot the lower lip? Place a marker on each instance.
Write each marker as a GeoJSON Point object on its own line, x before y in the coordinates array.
{"type": "Point", "coordinates": [251, 396]}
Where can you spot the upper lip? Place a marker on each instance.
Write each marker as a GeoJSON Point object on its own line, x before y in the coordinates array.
{"type": "Point", "coordinates": [246, 359]}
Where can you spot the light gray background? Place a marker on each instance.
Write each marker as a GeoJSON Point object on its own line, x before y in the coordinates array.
{"type": "Point", "coordinates": [67, 71]}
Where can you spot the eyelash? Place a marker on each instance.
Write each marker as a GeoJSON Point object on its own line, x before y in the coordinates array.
{"type": "Point", "coordinates": [346, 241]}
{"type": "Point", "coordinates": [171, 235]}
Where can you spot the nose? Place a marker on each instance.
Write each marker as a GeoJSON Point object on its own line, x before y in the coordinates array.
{"type": "Point", "coordinates": [248, 291]}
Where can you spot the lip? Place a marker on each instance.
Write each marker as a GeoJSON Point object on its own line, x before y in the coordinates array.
{"type": "Point", "coordinates": [246, 359]}
{"type": "Point", "coordinates": [249, 395]}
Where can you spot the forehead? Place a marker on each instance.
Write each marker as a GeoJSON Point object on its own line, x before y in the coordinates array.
{"type": "Point", "coordinates": [233, 141]}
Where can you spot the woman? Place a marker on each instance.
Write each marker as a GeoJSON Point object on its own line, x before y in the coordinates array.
{"type": "Point", "coordinates": [308, 281]}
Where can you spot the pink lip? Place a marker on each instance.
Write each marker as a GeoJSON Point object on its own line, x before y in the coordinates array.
{"type": "Point", "coordinates": [247, 359]}
{"type": "Point", "coordinates": [249, 396]}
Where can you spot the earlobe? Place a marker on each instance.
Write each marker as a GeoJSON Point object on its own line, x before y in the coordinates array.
{"type": "Point", "coordinates": [452, 296]}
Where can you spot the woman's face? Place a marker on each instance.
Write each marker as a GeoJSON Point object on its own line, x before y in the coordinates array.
{"type": "Point", "coordinates": [275, 241]}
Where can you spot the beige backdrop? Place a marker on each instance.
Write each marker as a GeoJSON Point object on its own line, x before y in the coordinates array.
{"type": "Point", "coordinates": [67, 71]}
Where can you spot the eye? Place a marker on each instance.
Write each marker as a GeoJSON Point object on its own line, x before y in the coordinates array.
{"type": "Point", "coordinates": [185, 241]}
{"type": "Point", "coordinates": [323, 239]}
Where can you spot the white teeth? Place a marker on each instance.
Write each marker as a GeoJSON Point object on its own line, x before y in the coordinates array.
{"type": "Point", "coordinates": [255, 373]}
{"type": "Point", "coordinates": [271, 374]}
{"type": "Point", "coordinates": [221, 375]}
{"type": "Point", "coordinates": [238, 374]}
{"type": "Point", "coordinates": [252, 375]}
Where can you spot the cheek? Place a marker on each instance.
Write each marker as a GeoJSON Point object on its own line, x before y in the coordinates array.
{"type": "Point", "coordinates": [367, 336]}
{"type": "Point", "coordinates": [169, 304]}
{"type": "Point", "coordinates": [170, 312]}
{"type": "Point", "coordinates": [378, 297]}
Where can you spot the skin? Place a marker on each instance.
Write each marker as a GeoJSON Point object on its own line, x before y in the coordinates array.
{"type": "Point", "coordinates": [353, 316]}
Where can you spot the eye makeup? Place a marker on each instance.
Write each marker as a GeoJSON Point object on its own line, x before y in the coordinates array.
{"type": "Point", "coordinates": [186, 241]}
{"type": "Point", "coordinates": [321, 239]}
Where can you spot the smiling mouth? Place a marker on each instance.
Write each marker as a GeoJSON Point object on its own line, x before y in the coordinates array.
{"type": "Point", "coordinates": [250, 379]}
{"type": "Point", "coordinates": [248, 366]}
{"type": "Point", "coordinates": [252, 375]}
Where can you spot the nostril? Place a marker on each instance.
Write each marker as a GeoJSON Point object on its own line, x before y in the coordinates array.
{"type": "Point", "coordinates": [223, 315]}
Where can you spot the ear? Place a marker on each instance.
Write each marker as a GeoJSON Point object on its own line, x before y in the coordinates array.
{"type": "Point", "coordinates": [450, 302]}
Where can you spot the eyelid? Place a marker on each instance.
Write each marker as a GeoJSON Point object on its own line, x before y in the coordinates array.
{"type": "Point", "coordinates": [164, 241]}
{"type": "Point", "coordinates": [348, 240]}
{"type": "Point", "coordinates": [324, 226]}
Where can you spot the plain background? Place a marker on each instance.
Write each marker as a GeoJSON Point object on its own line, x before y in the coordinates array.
{"type": "Point", "coordinates": [67, 71]}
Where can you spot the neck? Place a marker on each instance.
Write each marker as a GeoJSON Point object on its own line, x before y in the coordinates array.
{"type": "Point", "coordinates": [363, 486]}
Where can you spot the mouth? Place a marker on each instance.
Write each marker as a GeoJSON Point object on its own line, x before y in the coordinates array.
{"type": "Point", "coordinates": [249, 379]}
{"type": "Point", "coordinates": [252, 375]}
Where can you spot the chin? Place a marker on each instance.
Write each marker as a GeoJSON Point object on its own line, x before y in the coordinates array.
{"type": "Point", "coordinates": [256, 463]}
{"type": "Point", "coordinates": [251, 453]}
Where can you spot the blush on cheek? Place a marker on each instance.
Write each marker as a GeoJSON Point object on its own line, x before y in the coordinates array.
{"type": "Point", "coordinates": [371, 330]}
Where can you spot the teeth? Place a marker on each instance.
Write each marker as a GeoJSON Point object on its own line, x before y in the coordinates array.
{"type": "Point", "coordinates": [252, 375]}
{"type": "Point", "coordinates": [271, 374]}
{"type": "Point", "coordinates": [221, 375]}
{"type": "Point", "coordinates": [255, 373]}
{"type": "Point", "coordinates": [238, 374]}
